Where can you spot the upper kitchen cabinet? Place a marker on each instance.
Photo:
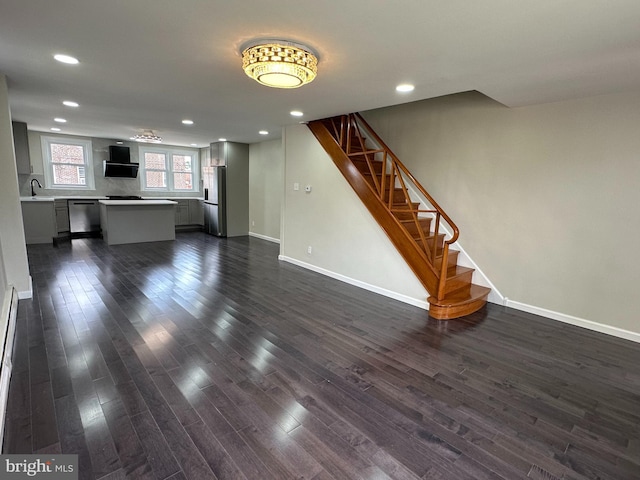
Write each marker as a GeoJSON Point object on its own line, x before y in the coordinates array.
{"type": "Point", "coordinates": [21, 145]}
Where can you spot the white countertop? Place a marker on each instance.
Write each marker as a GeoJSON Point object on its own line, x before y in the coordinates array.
{"type": "Point", "coordinates": [137, 202]}
{"type": "Point", "coordinates": [37, 198]}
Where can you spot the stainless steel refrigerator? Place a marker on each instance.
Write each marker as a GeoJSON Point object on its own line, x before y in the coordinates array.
{"type": "Point", "coordinates": [215, 195]}
{"type": "Point", "coordinates": [225, 178]}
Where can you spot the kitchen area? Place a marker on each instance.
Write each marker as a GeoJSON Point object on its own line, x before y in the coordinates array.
{"type": "Point", "coordinates": [118, 209]}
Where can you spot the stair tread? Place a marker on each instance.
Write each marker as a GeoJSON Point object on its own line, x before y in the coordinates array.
{"type": "Point", "coordinates": [459, 270]}
{"type": "Point", "coordinates": [420, 219]}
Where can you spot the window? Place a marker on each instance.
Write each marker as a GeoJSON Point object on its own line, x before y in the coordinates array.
{"type": "Point", "coordinates": [167, 169]}
{"type": "Point", "coordinates": [67, 163]}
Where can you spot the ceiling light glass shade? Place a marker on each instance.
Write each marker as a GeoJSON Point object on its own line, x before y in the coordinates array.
{"type": "Point", "coordinates": [280, 64]}
{"type": "Point", "coordinates": [147, 137]}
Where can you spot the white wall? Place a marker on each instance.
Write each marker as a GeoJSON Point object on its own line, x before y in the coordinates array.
{"type": "Point", "coordinates": [14, 250]}
{"type": "Point", "coordinates": [546, 196]}
{"type": "Point", "coordinates": [346, 241]}
{"type": "Point", "coordinates": [266, 183]}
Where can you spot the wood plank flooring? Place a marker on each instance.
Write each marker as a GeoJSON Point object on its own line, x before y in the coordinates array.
{"type": "Point", "coordinates": [207, 358]}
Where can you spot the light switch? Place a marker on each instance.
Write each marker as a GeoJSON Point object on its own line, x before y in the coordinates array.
{"type": "Point", "coordinates": [296, 186]}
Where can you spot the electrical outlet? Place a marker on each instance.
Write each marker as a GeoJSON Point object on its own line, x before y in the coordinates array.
{"type": "Point", "coordinates": [309, 249]}
{"type": "Point", "coordinates": [253, 223]}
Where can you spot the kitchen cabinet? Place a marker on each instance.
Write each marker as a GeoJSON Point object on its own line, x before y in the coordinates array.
{"type": "Point", "coordinates": [21, 146]}
{"type": "Point", "coordinates": [196, 212]}
{"type": "Point", "coordinates": [62, 218]}
{"type": "Point", "coordinates": [182, 212]}
{"type": "Point", "coordinates": [38, 218]}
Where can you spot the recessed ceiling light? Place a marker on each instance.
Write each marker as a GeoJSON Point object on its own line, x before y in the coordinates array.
{"type": "Point", "coordinates": [405, 87]}
{"type": "Point", "coordinates": [296, 113]}
{"type": "Point", "coordinates": [60, 120]}
{"type": "Point", "coordinates": [263, 132]}
{"type": "Point", "coordinates": [187, 122]}
{"type": "Point", "coordinates": [222, 139]}
{"type": "Point", "coordinates": [69, 103]}
{"type": "Point", "coordinates": [194, 144]}
{"type": "Point", "coordinates": [66, 59]}
{"type": "Point", "coordinates": [54, 129]}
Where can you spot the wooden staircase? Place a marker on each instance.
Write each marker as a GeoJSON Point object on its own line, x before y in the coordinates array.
{"type": "Point", "coordinates": [411, 218]}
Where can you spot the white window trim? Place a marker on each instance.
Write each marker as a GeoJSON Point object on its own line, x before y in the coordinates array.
{"type": "Point", "coordinates": [87, 147]}
{"type": "Point", "coordinates": [168, 152]}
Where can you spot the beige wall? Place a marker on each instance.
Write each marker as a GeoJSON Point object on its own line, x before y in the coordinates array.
{"type": "Point", "coordinates": [346, 242]}
{"type": "Point", "coordinates": [14, 251]}
{"type": "Point", "coordinates": [546, 197]}
{"type": "Point", "coordinates": [266, 177]}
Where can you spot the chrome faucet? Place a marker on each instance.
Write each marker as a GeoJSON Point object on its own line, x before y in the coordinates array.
{"type": "Point", "coordinates": [33, 192]}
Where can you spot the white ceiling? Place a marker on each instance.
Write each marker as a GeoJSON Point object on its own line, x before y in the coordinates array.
{"type": "Point", "coordinates": [148, 64]}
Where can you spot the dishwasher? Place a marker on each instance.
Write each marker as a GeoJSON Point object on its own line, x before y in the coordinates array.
{"type": "Point", "coordinates": [84, 218]}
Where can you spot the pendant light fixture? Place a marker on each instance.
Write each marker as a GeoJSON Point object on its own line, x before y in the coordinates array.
{"type": "Point", "coordinates": [280, 64]}
{"type": "Point", "coordinates": [147, 137]}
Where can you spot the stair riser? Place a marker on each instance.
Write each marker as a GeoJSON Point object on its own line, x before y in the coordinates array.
{"type": "Point", "coordinates": [398, 196]}
{"type": "Point", "coordinates": [363, 166]}
{"type": "Point", "coordinates": [452, 260]}
{"type": "Point", "coordinates": [430, 241]}
{"type": "Point", "coordinates": [449, 312]}
{"type": "Point", "coordinates": [412, 228]}
{"type": "Point", "coordinates": [459, 282]}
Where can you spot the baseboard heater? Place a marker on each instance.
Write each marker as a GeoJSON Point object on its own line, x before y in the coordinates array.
{"type": "Point", "coordinates": [9, 314]}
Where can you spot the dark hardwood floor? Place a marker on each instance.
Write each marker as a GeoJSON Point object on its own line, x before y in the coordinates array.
{"type": "Point", "coordinates": [208, 358]}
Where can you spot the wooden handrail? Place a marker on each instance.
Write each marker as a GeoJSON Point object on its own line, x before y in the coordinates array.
{"type": "Point", "coordinates": [434, 204]}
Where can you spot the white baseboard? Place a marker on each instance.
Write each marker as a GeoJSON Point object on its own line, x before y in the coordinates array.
{"type": "Point", "coordinates": [264, 237]}
{"type": "Point", "coordinates": [543, 312]}
{"type": "Point", "coordinates": [24, 294]}
{"type": "Point", "coordinates": [579, 322]}
{"type": "Point", "coordinates": [416, 302]}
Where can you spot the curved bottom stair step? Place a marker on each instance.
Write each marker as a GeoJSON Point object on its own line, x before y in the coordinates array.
{"type": "Point", "coordinates": [459, 303]}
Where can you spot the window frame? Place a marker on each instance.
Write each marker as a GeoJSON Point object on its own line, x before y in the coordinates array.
{"type": "Point", "coordinates": [168, 153]}
{"type": "Point", "coordinates": [87, 149]}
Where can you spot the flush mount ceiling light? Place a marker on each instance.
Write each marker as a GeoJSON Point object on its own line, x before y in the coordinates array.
{"type": "Point", "coordinates": [147, 137]}
{"type": "Point", "coordinates": [280, 64]}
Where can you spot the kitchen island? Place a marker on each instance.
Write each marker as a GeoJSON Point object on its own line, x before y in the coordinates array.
{"type": "Point", "coordinates": [136, 221]}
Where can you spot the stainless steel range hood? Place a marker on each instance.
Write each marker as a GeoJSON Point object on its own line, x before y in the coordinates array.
{"type": "Point", "coordinates": [119, 164]}
{"type": "Point", "coordinates": [122, 170]}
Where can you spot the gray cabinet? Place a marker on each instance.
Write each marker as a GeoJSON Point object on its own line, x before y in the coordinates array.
{"type": "Point", "coordinates": [196, 212]}
{"type": "Point", "coordinates": [38, 220]}
{"type": "Point", "coordinates": [62, 217]}
{"type": "Point", "coordinates": [182, 212]}
{"type": "Point", "coordinates": [21, 145]}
